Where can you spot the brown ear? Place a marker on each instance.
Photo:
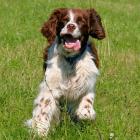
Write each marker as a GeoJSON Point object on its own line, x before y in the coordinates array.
{"type": "Point", "coordinates": [96, 29]}
{"type": "Point", "coordinates": [49, 28]}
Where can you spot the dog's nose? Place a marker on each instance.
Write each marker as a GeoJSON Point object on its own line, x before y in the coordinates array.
{"type": "Point", "coordinates": [71, 27]}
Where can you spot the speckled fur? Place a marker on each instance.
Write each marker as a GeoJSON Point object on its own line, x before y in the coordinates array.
{"type": "Point", "coordinates": [72, 82]}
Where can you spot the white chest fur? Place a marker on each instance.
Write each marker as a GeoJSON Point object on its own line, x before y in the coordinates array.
{"type": "Point", "coordinates": [62, 79]}
{"type": "Point", "coordinates": [72, 81]}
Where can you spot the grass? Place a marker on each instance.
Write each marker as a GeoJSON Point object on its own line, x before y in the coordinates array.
{"type": "Point", "coordinates": [117, 101]}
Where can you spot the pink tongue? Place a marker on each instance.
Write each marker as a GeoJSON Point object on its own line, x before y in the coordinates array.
{"type": "Point", "coordinates": [73, 45]}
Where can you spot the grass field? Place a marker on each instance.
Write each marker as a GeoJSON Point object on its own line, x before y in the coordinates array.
{"type": "Point", "coordinates": [117, 101]}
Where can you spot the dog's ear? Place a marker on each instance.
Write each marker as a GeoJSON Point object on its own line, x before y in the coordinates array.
{"type": "Point", "coordinates": [49, 29]}
{"type": "Point", "coordinates": [96, 29]}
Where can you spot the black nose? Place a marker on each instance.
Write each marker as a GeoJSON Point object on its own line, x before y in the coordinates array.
{"type": "Point", "coordinates": [71, 27]}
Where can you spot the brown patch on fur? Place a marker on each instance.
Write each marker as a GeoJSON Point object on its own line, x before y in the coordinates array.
{"type": "Point", "coordinates": [85, 115]}
{"type": "Point", "coordinates": [36, 105]}
{"type": "Point", "coordinates": [47, 102]}
{"type": "Point", "coordinates": [89, 101]}
{"type": "Point", "coordinates": [46, 118]}
{"type": "Point", "coordinates": [88, 110]}
{"type": "Point", "coordinates": [87, 106]}
{"type": "Point", "coordinates": [42, 99]}
{"type": "Point", "coordinates": [94, 53]}
{"type": "Point", "coordinates": [43, 113]}
{"type": "Point", "coordinates": [77, 79]}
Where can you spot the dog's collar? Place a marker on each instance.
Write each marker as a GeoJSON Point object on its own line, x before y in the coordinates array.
{"type": "Point", "coordinates": [73, 59]}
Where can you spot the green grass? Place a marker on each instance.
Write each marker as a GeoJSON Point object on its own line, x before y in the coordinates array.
{"type": "Point", "coordinates": [117, 102]}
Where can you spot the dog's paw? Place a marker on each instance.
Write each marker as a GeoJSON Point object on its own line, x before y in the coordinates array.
{"type": "Point", "coordinates": [86, 113]}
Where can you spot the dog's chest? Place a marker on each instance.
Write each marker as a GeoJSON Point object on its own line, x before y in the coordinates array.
{"type": "Point", "coordinates": [71, 80]}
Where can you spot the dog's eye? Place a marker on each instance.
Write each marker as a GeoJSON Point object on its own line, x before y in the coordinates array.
{"type": "Point", "coordinates": [80, 20]}
{"type": "Point", "coordinates": [60, 25]}
{"type": "Point", "coordinates": [65, 19]}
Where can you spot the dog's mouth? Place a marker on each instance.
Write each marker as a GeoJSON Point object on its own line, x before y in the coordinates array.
{"type": "Point", "coordinates": [71, 43]}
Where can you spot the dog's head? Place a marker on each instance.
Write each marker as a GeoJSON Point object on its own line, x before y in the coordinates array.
{"type": "Point", "coordinates": [73, 27]}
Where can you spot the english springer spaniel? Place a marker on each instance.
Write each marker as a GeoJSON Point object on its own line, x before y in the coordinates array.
{"type": "Point", "coordinates": [71, 67]}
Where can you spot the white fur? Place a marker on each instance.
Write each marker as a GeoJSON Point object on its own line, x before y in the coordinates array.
{"type": "Point", "coordinates": [71, 16]}
{"type": "Point", "coordinates": [75, 84]}
{"type": "Point", "coordinates": [76, 33]}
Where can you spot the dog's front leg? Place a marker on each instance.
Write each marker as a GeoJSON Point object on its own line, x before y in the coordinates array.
{"type": "Point", "coordinates": [85, 109]}
{"type": "Point", "coordinates": [46, 111]}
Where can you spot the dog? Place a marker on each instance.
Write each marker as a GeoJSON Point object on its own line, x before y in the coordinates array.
{"type": "Point", "coordinates": [71, 67]}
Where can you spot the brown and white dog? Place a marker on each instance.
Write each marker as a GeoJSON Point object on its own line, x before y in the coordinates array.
{"type": "Point", "coordinates": [71, 67]}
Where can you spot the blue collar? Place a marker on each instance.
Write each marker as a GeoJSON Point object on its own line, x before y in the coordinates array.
{"type": "Point", "coordinates": [73, 59]}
